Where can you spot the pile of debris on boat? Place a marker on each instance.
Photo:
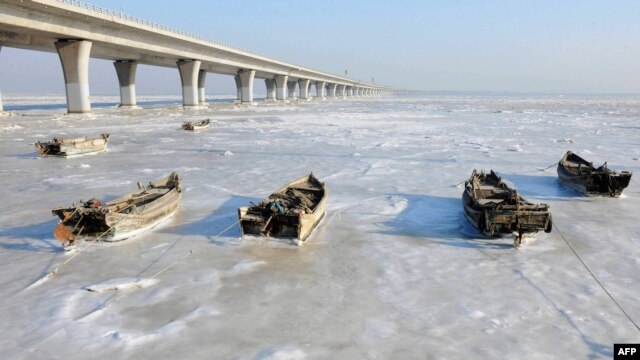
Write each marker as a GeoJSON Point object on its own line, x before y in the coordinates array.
{"type": "Point", "coordinates": [120, 218]}
{"type": "Point", "coordinates": [188, 125]}
{"type": "Point", "coordinates": [579, 174]}
{"type": "Point", "coordinates": [494, 208]}
{"type": "Point", "coordinates": [292, 211]}
{"type": "Point", "coordinates": [73, 147]}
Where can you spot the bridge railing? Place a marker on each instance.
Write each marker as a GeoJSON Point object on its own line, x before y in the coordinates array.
{"type": "Point", "coordinates": [121, 15]}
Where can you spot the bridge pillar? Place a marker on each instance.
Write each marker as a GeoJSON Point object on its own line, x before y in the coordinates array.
{"type": "Point", "coordinates": [238, 88]}
{"type": "Point", "coordinates": [281, 86]}
{"type": "Point", "coordinates": [320, 89]}
{"type": "Point", "coordinates": [304, 89]}
{"type": "Point", "coordinates": [246, 80]}
{"type": "Point", "coordinates": [126, 71]}
{"type": "Point", "coordinates": [74, 56]}
{"type": "Point", "coordinates": [341, 90]}
{"type": "Point", "coordinates": [331, 90]}
{"type": "Point", "coordinates": [1, 108]}
{"type": "Point", "coordinates": [291, 89]}
{"type": "Point", "coordinates": [271, 89]}
{"type": "Point", "coordinates": [348, 91]}
{"type": "Point", "coordinates": [202, 77]}
{"type": "Point", "coordinates": [189, 70]}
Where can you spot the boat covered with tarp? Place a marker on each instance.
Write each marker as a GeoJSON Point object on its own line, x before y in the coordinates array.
{"type": "Point", "coordinates": [121, 218]}
{"type": "Point", "coordinates": [73, 146]}
{"type": "Point", "coordinates": [579, 174]}
{"type": "Point", "coordinates": [292, 211]}
{"type": "Point", "coordinates": [494, 208]}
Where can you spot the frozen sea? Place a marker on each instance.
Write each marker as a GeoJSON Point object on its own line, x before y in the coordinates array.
{"type": "Point", "coordinates": [394, 271]}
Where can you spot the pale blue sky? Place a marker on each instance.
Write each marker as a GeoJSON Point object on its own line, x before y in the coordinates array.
{"type": "Point", "coordinates": [521, 46]}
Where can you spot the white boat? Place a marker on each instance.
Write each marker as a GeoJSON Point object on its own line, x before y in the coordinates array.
{"type": "Point", "coordinates": [120, 218]}
{"type": "Point", "coordinates": [73, 147]}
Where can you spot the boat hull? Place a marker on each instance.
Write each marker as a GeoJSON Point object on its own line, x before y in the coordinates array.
{"type": "Point", "coordinates": [294, 226]}
{"type": "Point", "coordinates": [124, 217]}
{"type": "Point", "coordinates": [505, 212]}
{"type": "Point", "coordinates": [580, 175]}
{"type": "Point", "coordinates": [73, 147]}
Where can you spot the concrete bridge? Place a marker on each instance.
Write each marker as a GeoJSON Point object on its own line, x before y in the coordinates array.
{"type": "Point", "coordinates": [78, 31]}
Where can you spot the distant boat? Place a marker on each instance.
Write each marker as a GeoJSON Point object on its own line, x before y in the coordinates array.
{"type": "Point", "coordinates": [578, 174]}
{"type": "Point", "coordinates": [121, 218]}
{"type": "Point", "coordinates": [204, 124]}
{"type": "Point", "coordinates": [292, 211]}
{"type": "Point", "coordinates": [494, 208]}
{"type": "Point", "coordinates": [73, 147]}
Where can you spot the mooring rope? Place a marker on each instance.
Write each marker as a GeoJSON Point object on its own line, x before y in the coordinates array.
{"type": "Point", "coordinates": [595, 278]}
{"type": "Point", "coordinates": [91, 243]}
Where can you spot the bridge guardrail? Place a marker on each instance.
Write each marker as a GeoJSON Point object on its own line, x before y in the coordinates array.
{"type": "Point", "coordinates": [121, 15]}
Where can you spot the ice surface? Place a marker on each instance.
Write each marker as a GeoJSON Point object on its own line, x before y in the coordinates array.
{"type": "Point", "coordinates": [394, 271]}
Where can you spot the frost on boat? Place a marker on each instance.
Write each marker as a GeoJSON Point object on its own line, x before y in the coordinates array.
{"type": "Point", "coordinates": [120, 218]}
{"type": "Point", "coordinates": [292, 211]}
{"type": "Point", "coordinates": [494, 208]}
{"type": "Point", "coordinates": [578, 174]}
{"type": "Point", "coordinates": [188, 125]}
{"type": "Point", "coordinates": [73, 147]}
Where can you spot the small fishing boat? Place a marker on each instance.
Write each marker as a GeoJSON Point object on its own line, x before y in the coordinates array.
{"type": "Point", "coordinates": [120, 218]}
{"type": "Point", "coordinates": [188, 125]}
{"type": "Point", "coordinates": [578, 174]}
{"type": "Point", "coordinates": [292, 211]}
{"type": "Point", "coordinates": [73, 147]}
{"type": "Point", "coordinates": [494, 208]}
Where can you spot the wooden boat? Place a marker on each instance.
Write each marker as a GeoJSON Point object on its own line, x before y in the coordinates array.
{"type": "Point", "coordinates": [494, 208]}
{"type": "Point", "coordinates": [578, 174]}
{"type": "Point", "coordinates": [73, 147]}
{"type": "Point", "coordinates": [120, 218]}
{"type": "Point", "coordinates": [292, 211]}
{"type": "Point", "coordinates": [204, 124]}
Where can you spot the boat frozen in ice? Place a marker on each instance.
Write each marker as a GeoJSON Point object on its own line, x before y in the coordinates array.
{"type": "Point", "coordinates": [292, 211]}
{"type": "Point", "coordinates": [73, 147]}
{"type": "Point", "coordinates": [494, 208]}
{"type": "Point", "coordinates": [188, 125]}
{"type": "Point", "coordinates": [578, 174]}
{"type": "Point", "coordinates": [120, 218]}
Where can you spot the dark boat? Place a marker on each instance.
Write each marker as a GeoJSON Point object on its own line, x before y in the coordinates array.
{"type": "Point", "coordinates": [292, 211]}
{"type": "Point", "coordinates": [120, 218]}
{"type": "Point", "coordinates": [578, 174]}
{"type": "Point", "coordinates": [494, 208]}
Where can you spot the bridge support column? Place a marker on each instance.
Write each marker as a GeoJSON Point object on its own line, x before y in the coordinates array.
{"type": "Point", "coordinates": [1, 108]}
{"type": "Point", "coordinates": [304, 89]}
{"type": "Point", "coordinates": [271, 89]}
{"type": "Point", "coordinates": [331, 90]}
{"type": "Point", "coordinates": [74, 56]}
{"type": "Point", "coordinates": [291, 89]}
{"type": "Point", "coordinates": [281, 86]}
{"type": "Point", "coordinates": [126, 71]}
{"type": "Point", "coordinates": [341, 90]}
{"type": "Point", "coordinates": [202, 77]}
{"type": "Point", "coordinates": [246, 80]}
{"type": "Point", "coordinates": [238, 88]}
{"type": "Point", "coordinates": [189, 70]}
{"type": "Point", "coordinates": [320, 89]}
